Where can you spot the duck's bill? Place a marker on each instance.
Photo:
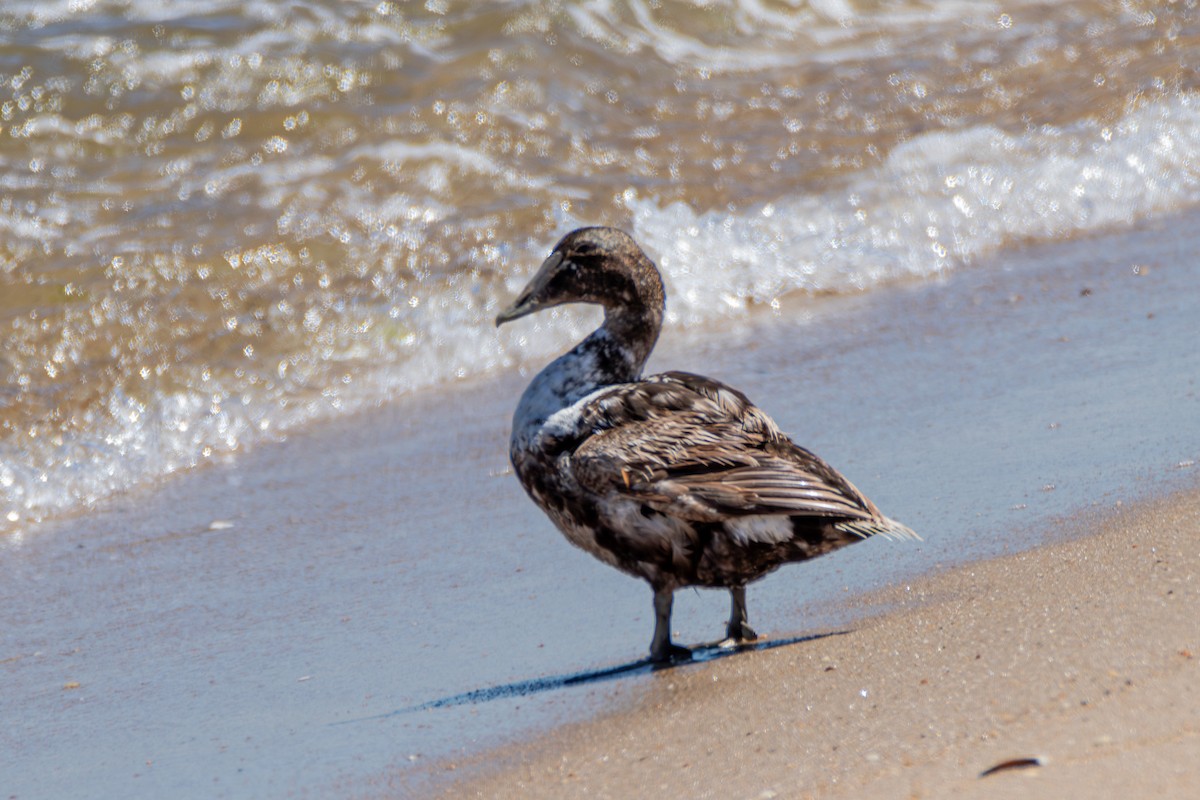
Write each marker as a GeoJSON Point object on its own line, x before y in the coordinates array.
{"type": "Point", "coordinates": [518, 309]}
{"type": "Point", "coordinates": [530, 299]}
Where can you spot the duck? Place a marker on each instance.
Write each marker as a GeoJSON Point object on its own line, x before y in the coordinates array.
{"type": "Point", "coordinates": [674, 478]}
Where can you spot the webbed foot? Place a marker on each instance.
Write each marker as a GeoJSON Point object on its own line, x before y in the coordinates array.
{"type": "Point", "coordinates": [671, 654]}
{"type": "Point", "coordinates": [740, 632]}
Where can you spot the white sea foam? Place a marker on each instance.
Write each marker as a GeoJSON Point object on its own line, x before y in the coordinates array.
{"type": "Point", "coordinates": [762, 37]}
{"type": "Point", "coordinates": [939, 201]}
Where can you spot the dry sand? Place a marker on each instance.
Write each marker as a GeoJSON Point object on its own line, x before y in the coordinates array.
{"type": "Point", "coordinates": [1084, 655]}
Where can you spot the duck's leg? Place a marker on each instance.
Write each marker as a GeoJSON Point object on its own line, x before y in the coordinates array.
{"type": "Point", "coordinates": [738, 629]}
{"type": "Point", "coordinates": [661, 647]}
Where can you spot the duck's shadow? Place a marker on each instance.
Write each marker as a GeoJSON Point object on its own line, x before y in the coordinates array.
{"type": "Point", "coordinates": [700, 654]}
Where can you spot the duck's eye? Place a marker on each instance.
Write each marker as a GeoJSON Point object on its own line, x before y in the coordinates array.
{"type": "Point", "coordinates": [585, 249]}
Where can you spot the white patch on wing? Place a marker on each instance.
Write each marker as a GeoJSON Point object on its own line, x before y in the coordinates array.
{"type": "Point", "coordinates": [766, 529]}
{"type": "Point", "coordinates": [565, 421]}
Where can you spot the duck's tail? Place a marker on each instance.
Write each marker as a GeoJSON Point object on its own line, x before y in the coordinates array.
{"type": "Point", "coordinates": [879, 526]}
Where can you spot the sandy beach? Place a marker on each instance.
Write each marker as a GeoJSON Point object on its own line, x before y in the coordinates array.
{"type": "Point", "coordinates": [1082, 655]}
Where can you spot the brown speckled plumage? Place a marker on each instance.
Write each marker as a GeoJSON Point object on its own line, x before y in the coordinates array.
{"type": "Point", "coordinates": [676, 478]}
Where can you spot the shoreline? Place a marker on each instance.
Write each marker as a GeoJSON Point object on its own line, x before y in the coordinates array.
{"type": "Point", "coordinates": [1083, 654]}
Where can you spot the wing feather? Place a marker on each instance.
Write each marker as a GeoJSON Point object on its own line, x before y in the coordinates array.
{"type": "Point", "coordinates": [694, 448]}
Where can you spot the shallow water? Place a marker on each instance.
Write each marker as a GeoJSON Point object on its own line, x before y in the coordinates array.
{"type": "Point", "coordinates": [222, 221]}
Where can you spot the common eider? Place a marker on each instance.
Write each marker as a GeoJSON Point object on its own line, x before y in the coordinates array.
{"type": "Point", "coordinates": [675, 478]}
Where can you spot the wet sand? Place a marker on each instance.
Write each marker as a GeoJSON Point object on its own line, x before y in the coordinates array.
{"type": "Point", "coordinates": [352, 610]}
{"type": "Point", "coordinates": [1083, 656]}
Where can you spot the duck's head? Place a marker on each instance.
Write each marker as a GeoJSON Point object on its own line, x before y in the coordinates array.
{"type": "Point", "coordinates": [603, 266]}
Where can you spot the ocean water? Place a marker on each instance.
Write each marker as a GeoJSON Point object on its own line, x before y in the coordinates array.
{"type": "Point", "coordinates": [220, 221]}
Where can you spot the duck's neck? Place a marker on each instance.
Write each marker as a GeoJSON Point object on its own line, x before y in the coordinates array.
{"type": "Point", "coordinates": [631, 334]}
{"type": "Point", "coordinates": [614, 353]}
